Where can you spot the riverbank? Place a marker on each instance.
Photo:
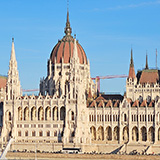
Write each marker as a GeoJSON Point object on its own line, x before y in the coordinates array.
{"type": "Point", "coordinates": [19, 155]}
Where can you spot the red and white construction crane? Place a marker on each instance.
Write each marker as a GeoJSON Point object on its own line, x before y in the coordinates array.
{"type": "Point", "coordinates": [30, 90]}
{"type": "Point", "coordinates": [97, 79]}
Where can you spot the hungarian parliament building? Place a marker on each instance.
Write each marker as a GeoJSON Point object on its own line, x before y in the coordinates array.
{"type": "Point", "coordinates": [69, 112]}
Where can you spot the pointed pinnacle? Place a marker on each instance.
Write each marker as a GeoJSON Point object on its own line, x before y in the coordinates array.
{"type": "Point", "coordinates": [68, 29]}
{"type": "Point", "coordinates": [13, 57]}
{"type": "Point", "coordinates": [131, 62]}
{"type": "Point", "coordinates": [146, 67]}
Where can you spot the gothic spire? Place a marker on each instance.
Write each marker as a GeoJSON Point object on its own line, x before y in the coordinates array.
{"type": "Point", "coordinates": [13, 82]}
{"type": "Point", "coordinates": [146, 67]}
{"type": "Point", "coordinates": [131, 62]}
{"type": "Point", "coordinates": [13, 57]}
{"type": "Point", "coordinates": [131, 68]}
{"type": "Point", "coordinates": [68, 29]}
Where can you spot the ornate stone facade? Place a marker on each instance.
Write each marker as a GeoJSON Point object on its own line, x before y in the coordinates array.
{"type": "Point", "coordinates": [68, 112]}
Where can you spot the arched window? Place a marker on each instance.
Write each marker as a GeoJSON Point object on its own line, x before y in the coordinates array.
{"type": "Point", "coordinates": [62, 113]}
{"type": "Point", "coordinates": [55, 113]}
{"type": "Point", "coordinates": [26, 113]}
{"type": "Point", "coordinates": [48, 113]}
{"type": "Point", "coordinates": [40, 133]}
{"type": "Point", "coordinates": [143, 134]}
{"type": "Point", "coordinates": [108, 133]}
{"type": "Point", "coordinates": [40, 114]}
{"type": "Point", "coordinates": [93, 133]}
{"type": "Point", "coordinates": [100, 133]}
{"type": "Point", "coordinates": [26, 133]}
{"type": "Point", "coordinates": [33, 133]}
{"type": "Point", "coordinates": [19, 133]}
{"type": "Point", "coordinates": [33, 113]}
{"type": "Point", "coordinates": [116, 133]}
{"type": "Point", "coordinates": [48, 133]}
{"type": "Point", "coordinates": [125, 117]}
{"type": "Point", "coordinates": [55, 133]}
{"type": "Point", "coordinates": [20, 113]}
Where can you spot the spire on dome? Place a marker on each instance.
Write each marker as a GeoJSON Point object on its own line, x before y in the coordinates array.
{"type": "Point", "coordinates": [68, 29]}
{"type": "Point", "coordinates": [146, 67]}
{"type": "Point", "coordinates": [131, 68]}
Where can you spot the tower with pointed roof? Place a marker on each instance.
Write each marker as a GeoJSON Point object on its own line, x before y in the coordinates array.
{"type": "Point", "coordinates": [131, 80]}
{"type": "Point", "coordinates": [13, 82]}
{"type": "Point", "coordinates": [68, 79]}
{"type": "Point", "coordinates": [146, 66]}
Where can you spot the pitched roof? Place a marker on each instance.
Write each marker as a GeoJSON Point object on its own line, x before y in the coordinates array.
{"type": "Point", "coordinates": [149, 76]}
{"type": "Point", "coordinates": [112, 97]}
{"type": "Point", "coordinates": [3, 81]}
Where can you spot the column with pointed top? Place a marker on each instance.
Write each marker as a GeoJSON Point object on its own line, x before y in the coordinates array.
{"type": "Point", "coordinates": [146, 67]}
{"type": "Point", "coordinates": [13, 82]}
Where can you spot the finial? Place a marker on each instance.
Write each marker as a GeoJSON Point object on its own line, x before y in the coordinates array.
{"type": "Point", "coordinates": [131, 62]}
{"type": "Point", "coordinates": [68, 29]}
{"type": "Point", "coordinates": [12, 39]}
{"type": "Point", "coordinates": [146, 67]}
{"type": "Point", "coordinates": [74, 36]}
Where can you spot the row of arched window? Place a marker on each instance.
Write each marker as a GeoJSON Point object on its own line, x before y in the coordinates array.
{"type": "Point", "coordinates": [41, 114]}
{"type": "Point", "coordinates": [106, 134]}
{"type": "Point", "coordinates": [34, 133]}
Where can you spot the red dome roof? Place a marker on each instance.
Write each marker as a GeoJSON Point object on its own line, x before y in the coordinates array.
{"type": "Point", "coordinates": [64, 48]}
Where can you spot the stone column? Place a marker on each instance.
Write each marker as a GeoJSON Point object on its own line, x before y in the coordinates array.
{"type": "Point", "coordinates": [120, 125]}
{"type": "Point", "coordinates": [130, 124]}
{"type": "Point", "coordinates": [155, 123]}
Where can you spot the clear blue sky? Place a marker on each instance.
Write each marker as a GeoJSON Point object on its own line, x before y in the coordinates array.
{"type": "Point", "coordinates": [105, 28]}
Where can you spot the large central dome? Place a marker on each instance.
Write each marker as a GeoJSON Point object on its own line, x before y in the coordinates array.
{"type": "Point", "coordinates": [64, 48]}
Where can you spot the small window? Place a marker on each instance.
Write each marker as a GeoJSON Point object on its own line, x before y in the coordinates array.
{"type": "Point", "coordinates": [26, 133]}
{"type": "Point", "coordinates": [19, 133]}
{"type": "Point", "coordinates": [125, 117]}
{"type": "Point", "coordinates": [48, 133]}
{"type": "Point", "coordinates": [33, 133]}
{"type": "Point", "coordinates": [55, 133]}
{"type": "Point", "coordinates": [40, 133]}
